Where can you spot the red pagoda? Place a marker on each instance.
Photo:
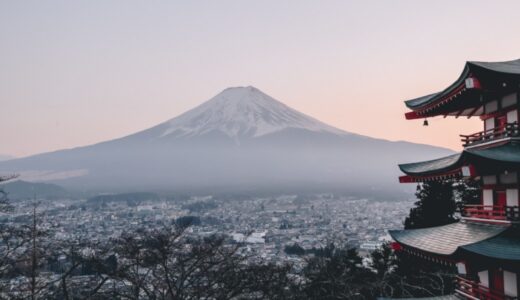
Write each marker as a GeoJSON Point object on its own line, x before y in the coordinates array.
{"type": "Point", "coordinates": [484, 245]}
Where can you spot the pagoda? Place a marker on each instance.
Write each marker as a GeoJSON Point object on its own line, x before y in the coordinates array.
{"type": "Point", "coordinates": [484, 246]}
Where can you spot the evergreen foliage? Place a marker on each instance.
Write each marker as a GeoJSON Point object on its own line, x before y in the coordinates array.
{"type": "Point", "coordinates": [436, 205]}
{"type": "Point", "coordinates": [340, 275]}
{"type": "Point", "coordinates": [399, 275]}
{"type": "Point", "coordinates": [294, 249]}
{"type": "Point", "coordinates": [468, 191]}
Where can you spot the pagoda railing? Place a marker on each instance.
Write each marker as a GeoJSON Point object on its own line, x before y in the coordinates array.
{"type": "Point", "coordinates": [513, 213]}
{"type": "Point", "coordinates": [508, 130]}
{"type": "Point", "coordinates": [492, 212]}
{"type": "Point", "coordinates": [467, 287]}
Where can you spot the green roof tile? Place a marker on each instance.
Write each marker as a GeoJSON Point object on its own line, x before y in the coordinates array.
{"type": "Point", "coordinates": [491, 68]}
{"type": "Point", "coordinates": [503, 246]}
{"type": "Point", "coordinates": [506, 155]}
{"type": "Point", "coordinates": [445, 240]}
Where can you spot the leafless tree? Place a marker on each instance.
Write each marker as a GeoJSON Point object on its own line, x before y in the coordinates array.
{"type": "Point", "coordinates": [72, 282]}
{"type": "Point", "coordinates": [167, 264]}
{"type": "Point", "coordinates": [32, 284]}
{"type": "Point", "coordinates": [5, 206]}
{"type": "Point", "coordinates": [13, 241]}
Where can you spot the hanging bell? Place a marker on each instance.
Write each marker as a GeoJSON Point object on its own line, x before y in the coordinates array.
{"type": "Point", "coordinates": [425, 123]}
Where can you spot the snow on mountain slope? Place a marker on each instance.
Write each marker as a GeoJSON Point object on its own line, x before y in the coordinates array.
{"type": "Point", "coordinates": [242, 112]}
{"type": "Point", "coordinates": [271, 147]}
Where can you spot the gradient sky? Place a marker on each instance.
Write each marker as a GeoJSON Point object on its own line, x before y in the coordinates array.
{"type": "Point", "coordinates": [74, 73]}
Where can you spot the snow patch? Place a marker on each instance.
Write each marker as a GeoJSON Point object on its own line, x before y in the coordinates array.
{"type": "Point", "coordinates": [243, 112]}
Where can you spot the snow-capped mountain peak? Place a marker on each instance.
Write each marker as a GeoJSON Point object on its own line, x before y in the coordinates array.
{"type": "Point", "coordinates": [242, 112]}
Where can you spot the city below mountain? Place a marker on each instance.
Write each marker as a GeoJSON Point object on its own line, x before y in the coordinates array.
{"type": "Point", "coordinates": [240, 140]}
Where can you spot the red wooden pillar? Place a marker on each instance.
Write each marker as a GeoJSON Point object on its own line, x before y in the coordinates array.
{"type": "Point", "coordinates": [501, 123]}
{"type": "Point", "coordinates": [497, 280]}
{"type": "Point", "coordinates": [501, 198]}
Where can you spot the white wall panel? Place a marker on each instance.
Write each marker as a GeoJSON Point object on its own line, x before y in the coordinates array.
{"type": "Point", "coordinates": [487, 195]}
{"type": "Point", "coordinates": [484, 278]}
{"type": "Point", "coordinates": [512, 116]}
{"type": "Point", "coordinates": [509, 100]}
{"type": "Point", "coordinates": [489, 179]}
{"type": "Point", "coordinates": [510, 284]}
{"type": "Point", "coordinates": [489, 124]}
{"type": "Point", "coordinates": [512, 197]}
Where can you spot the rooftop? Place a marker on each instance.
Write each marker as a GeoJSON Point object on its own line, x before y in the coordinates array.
{"type": "Point", "coordinates": [505, 156]}
{"type": "Point", "coordinates": [463, 97]}
{"type": "Point", "coordinates": [503, 246]}
{"type": "Point", "coordinates": [445, 240]}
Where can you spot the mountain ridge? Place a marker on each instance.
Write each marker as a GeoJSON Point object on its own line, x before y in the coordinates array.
{"type": "Point", "coordinates": [239, 112]}
{"type": "Point", "coordinates": [241, 139]}
{"type": "Point", "coordinates": [4, 157]}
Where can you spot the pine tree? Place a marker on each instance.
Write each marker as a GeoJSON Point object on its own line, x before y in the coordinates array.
{"type": "Point", "coordinates": [436, 205]}
{"type": "Point", "coordinates": [468, 191]}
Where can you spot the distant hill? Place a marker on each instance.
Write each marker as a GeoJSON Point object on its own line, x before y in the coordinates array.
{"type": "Point", "coordinates": [6, 157]}
{"type": "Point", "coordinates": [240, 140]}
{"type": "Point", "coordinates": [21, 190]}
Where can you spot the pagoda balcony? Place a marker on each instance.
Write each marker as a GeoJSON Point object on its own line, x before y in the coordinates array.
{"type": "Point", "coordinates": [492, 212]}
{"type": "Point", "coordinates": [470, 289]}
{"type": "Point", "coordinates": [507, 131]}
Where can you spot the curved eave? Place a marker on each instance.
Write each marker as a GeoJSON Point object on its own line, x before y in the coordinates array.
{"type": "Point", "coordinates": [496, 159]}
{"type": "Point", "coordinates": [461, 97]}
{"type": "Point", "coordinates": [424, 101]}
{"type": "Point", "coordinates": [445, 240]}
{"type": "Point", "coordinates": [505, 246]}
{"type": "Point", "coordinates": [480, 160]}
{"type": "Point", "coordinates": [508, 153]}
{"type": "Point", "coordinates": [511, 67]}
{"type": "Point", "coordinates": [433, 167]}
{"type": "Point", "coordinates": [446, 297]}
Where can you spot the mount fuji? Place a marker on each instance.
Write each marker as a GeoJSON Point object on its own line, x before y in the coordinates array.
{"type": "Point", "coordinates": [239, 140]}
{"type": "Point", "coordinates": [238, 113]}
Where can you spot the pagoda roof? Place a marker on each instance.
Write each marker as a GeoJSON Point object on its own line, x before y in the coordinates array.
{"type": "Point", "coordinates": [462, 95]}
{"type": "Point", "coordinates": [504, 246]}
{"type": "Point", "coordinates": [432, 166]}
{"type": "Point", "coordinates": [445, 240]}
{"type": "Point", "coordinates": [445, 297]}
{"type": "Point", "coordinates": [506, 153]}
{"type": "Point", "coordinates": [504, 67]}
{"type": "Point", "coordinates": [499, 157]}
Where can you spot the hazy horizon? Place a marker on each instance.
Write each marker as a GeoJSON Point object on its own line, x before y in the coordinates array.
{"type": "Point", "coordinates": [80, 73]}
{"type": "Point", "coordinates": [4, 157]}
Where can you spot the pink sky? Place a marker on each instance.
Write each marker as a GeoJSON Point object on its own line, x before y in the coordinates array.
{"type": "Point", "coordinates": [72, 74]}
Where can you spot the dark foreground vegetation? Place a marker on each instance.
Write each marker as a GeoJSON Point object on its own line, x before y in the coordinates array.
{"type": "Point", "coordinates": [169, 263]}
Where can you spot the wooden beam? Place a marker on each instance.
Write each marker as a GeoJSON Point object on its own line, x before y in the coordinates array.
{"type": "Point", "coordinates": [412, 115]}
{"type": "Point", "coordinates": [473, 111]}
{"type": "Point", "coordinates": [406, 179]}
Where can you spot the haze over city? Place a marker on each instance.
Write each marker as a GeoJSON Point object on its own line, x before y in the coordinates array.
{"type": "Point", "coordinates": [77, 73]}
